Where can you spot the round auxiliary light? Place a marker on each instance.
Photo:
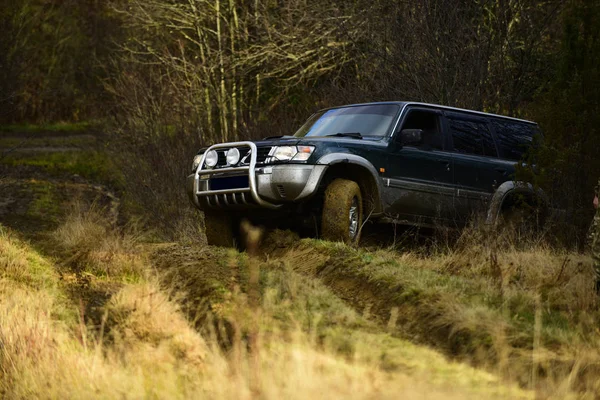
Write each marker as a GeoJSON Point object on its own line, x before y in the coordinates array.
{"type": "Point", "coordinates": [211, 158]}
{"type": "Point", "coordinates": [233, 156]}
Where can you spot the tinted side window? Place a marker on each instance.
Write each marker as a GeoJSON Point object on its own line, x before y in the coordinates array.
{"type": "Point", "coordinates": [514, 138]}
{"type": "Point", "coordinates": [472, 137]}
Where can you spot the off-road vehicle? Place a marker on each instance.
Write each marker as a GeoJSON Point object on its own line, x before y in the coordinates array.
{"type": "Point", "coordinates": [401, 162]}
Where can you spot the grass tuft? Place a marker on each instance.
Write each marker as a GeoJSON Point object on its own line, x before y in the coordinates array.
{"type": "Point", "coordinates": [89, 242]}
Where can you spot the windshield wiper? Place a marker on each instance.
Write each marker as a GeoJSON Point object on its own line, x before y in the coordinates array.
{"type": "Point", "coordinates": [355, 135]}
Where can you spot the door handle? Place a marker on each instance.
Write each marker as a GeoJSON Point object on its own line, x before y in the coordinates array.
{"type": "Point", "coordinates": [500, 170]}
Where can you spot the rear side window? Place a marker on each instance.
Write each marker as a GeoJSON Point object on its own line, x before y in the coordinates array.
{"type": "Point", "coordinates": [514, 138]}
{"type": "Point", "coordinates": [472, 137]}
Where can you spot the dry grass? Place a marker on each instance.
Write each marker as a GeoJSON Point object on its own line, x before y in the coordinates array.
{"type": "Point", "coordinates": [145, 347]}
{"type": "Point", "coordinates": [142, 315]}
{"type": "Point", "coordinates": [87, 241]}
{"type": "Point", "coordinates": [23, 266]}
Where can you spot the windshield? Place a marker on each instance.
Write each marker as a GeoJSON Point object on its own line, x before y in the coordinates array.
{"type": "Point", "coordinates": [366, 121]}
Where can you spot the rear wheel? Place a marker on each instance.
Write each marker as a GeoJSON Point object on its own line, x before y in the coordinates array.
{"type": "Point", "coordinates": [220, 229]}
{"type": "Point", "coordinates": [523, 221]}
{"type": "Point", "coordinates": [342, 212]}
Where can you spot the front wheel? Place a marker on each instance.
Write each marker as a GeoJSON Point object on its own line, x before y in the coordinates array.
{"type": "Point", "coordinates": [342, 212]}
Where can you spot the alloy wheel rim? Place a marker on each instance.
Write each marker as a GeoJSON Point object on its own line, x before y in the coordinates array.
{"type": "Point", "coordinates": [353, 216]}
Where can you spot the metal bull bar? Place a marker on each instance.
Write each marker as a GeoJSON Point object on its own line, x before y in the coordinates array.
{"type": "Point", "coordinates": [219, 196]}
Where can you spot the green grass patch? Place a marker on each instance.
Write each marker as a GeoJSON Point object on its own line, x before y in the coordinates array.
{"type": "Point", "coordinates": [474, 304]}
{"type": "Point", "coordinates": [46, 203]}
{"type": "Point", "coordinates": [47, 141]}
{"type": "Point", "coordinates": [66, 127]}
{"type": "Point", "coordinates": [94, 166]}
{"type": "Point", "coordinates": [23, 268]}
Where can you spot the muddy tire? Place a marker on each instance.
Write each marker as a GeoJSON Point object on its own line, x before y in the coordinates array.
{"type": "Point", "coordinates": [219, 229]}
{"type": "Point", "coordinates": [342, 212]}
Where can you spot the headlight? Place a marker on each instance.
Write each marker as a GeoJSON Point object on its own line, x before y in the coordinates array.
{"type": "Point", "coordinates": [284, 153]}
{"type": "Point", "coordinates": [211, 159]}
{"type": "Point", "coordinates": [292, 153]}
{"type": "Point", "coordinates": [196, 162]}
{"type": "Point", "coordinates": [233, 156]}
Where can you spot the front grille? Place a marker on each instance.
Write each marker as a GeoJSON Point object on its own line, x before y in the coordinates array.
{"type": "Point", "coordinates": [261, 157]}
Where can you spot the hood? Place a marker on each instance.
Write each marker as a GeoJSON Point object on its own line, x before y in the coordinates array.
{"type": "Point", "coordinates": [321, 140]}
{"type": "Point", "coordinates": [318, 142]}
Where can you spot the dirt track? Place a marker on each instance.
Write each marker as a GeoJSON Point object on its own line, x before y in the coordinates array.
{"type": "Point", "coordinates": [33, 199]}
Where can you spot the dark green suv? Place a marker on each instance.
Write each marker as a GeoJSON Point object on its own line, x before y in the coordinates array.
{"type": "Point", "coordinates": [402, 162]}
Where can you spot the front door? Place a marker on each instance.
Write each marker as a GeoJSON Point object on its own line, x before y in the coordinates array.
{"type": "Point", "coordinates": [418, 179]}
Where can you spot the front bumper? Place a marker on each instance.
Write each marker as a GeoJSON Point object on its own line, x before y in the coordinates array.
{"type": "Point", "coordinates": [269, 186]}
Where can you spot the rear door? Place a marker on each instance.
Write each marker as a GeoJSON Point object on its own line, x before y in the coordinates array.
{"type": "Point", "coordinates": [418, 177]}
{"type": "Point", "coordinates": [477, 169]}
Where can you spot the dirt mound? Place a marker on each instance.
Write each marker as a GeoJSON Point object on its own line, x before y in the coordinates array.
{"type": "Point", "coordinates": [276, 242]}
{"type": "Point", "coordinates": [202, 278]}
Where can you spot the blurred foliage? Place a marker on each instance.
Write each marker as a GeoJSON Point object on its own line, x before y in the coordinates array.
{"type": "Point", "coordinates": [567, 107]}
{"type": "Point", "coordinates": [51, 54]}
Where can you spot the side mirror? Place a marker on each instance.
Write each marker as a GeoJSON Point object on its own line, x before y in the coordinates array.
{"type": "Point", "coordinates": [411, 136]}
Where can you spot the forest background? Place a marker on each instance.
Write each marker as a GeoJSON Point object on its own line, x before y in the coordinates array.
{"type": "Point", "coordinates": [161, 78]}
